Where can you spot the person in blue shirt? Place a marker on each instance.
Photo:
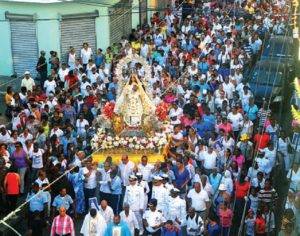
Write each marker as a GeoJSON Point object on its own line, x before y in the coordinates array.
{"type": "Point", "coordinates": [62, 200]}
{"type": "Point", "coordinates": [66, 140]}
{"type": "Point", "coordinates": [213, 228]}
{"type": "Point", "coordinates": [170, 229]}
{"type": "Point", "coordinates": [215, 179]}
{"type": "Point", "coordinates": [76, 178]}
{"type": "Point", "coordinates": [37, 202]}
{"type": "Point", "coordinates": [203, 65]}
{"type": "Point", "coordinates": [117, 227]}
{"type": "Point", "coordinates": [200, 127]}
{"type": "Point", "coordinates": [194, 82]}
{"type": "Point", "coordinates": [115, 186]}
{"type": "Point", "coordinates": [99, 58]}
{"type": "Point", "coordinates": [251, 110]}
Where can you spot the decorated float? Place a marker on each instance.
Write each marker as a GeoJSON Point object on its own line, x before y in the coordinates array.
{"type": "Point", "coordinates": [132, 125]}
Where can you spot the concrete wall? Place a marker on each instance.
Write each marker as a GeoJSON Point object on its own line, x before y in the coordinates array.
{"type": "Point", "coordinates": [48, 26]}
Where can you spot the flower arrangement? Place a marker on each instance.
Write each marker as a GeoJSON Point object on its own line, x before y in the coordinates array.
{"type": "Point", "coordinates": [108, 109]}
{"type": "Point", "coordinates": [162, 111]}
{"type": "Point", "coordinates": [102, 141]}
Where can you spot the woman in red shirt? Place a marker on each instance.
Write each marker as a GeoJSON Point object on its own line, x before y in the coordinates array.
{"type": "Point", "coordinates": [12, 188]}
{"type": "Point", "coordinates": [241, 190]}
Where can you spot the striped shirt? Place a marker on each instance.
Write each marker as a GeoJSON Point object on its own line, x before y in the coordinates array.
{"type": "Point", "coordinates": [62, 226]}
{"type": "Point", "coordinates": [267, 196]}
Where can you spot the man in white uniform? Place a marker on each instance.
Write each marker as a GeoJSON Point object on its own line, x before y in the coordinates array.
{"type": "Point", "coordinates": [176, 210]}
{"type": "Point", "coordinates": [160, 193]}
{"type": "Point", "coordinates": [134, 197]}
{"type": "Point", "coordinates": [153, 219]}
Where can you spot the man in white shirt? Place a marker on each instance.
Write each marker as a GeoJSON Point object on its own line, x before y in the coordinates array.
{"type": "Point", "coordinates": [153, 219]}
{"type": "Point", "coordinates": [50, 85]}
{"type": "Point", "coordinates": [106, 211]}
{"type": "Point", "coordinates": [104, 183]}
{"type": "Point", "coordinates": [128, 217]}
{"type": "Point", "coordinates": [134, 196]}
{"type": "Point", "coordinates": [160, 193]}
{"type": "Point", "coordinates": [90, 182]}
{"type": "Point", "coordinates": [4, 135]}
{"type": "Point", "coordinates": [36, 157]}
{"type": "Point", "coordinates": [176, 210]}
{"type": "Point", "coordinates": [236, 120]}
{"type": "Point", "coordinates": [199, 200]}
{"type": "Point", "coordinates": [145, 168]}
{"type": "Point", "coordinates": [85, 54]}
{"type": "Point", "coordinates": [27, 81]}
{"type": "Point", "coordinates": [126, 168]}
{"type": "Point", "coordinates": [62, 72]}
{"type": "Point", "coordinates": [209, 159]}
{"type": "Point", "coordinates": [194, 223]}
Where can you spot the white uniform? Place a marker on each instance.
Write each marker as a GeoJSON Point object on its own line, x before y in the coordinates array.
{"type": "Point", "coordinates": [134, 196]}
{"type": "Point", "coordinates": [176, 210]}
{"type": "Point", "coordinates": [161, 194]}
{"type": "Point", "coordinates": [153, 219]}
{"type": "Point", "coordinates": [146, 190]}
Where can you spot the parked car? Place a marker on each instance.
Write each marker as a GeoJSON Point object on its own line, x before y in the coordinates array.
{"type": "Point", "coordinates": [268, 80]}
{"type": "Point", "coordinates": [280, 49]}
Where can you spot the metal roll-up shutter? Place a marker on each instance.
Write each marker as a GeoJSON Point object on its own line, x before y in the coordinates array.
{"type": "Point", "coordinates": [75, 30]}
{"type": "Point", "coordinates": [24, 44]}
{"type": "Point", "coordinates": [120, 20]}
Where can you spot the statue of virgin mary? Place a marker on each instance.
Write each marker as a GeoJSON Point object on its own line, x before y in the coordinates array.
{"type": "Point", "coordinates": [133, 103]}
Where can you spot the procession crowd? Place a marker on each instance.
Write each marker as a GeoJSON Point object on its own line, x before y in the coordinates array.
{"type": "Point", "coordinates": [217, 175]}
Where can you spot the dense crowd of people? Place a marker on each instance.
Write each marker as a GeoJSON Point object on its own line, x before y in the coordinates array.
{"type": "Point", "coordinates": [217, 175]}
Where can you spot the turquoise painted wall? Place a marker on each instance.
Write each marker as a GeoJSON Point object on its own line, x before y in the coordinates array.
{"type": "Point", "coordinates": [48, 25]}
{"type": "Point", "coordinates": [135, 13]}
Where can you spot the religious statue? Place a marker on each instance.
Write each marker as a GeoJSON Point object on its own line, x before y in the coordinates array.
{"type": "Point", "coordinates": [133, 103]}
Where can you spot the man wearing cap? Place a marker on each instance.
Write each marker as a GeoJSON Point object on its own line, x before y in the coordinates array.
{"type": "Point", "coordinates": [134, 196]}
{"type": "Point", "coordinates": [199, 200]}
{"type": "Point", "coordinates": [153, 219]}
{"type": "Point", "coordinates": [27, 81]}
{"type": "Point", "coordinates": [160, 193]}
{"type": "Point", "coordinates": [194, 223]}
{"type": "Point", "coordinates": [176, 208]}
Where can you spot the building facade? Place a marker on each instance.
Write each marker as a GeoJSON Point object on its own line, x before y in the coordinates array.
{"type": "Point", "coordinates": [29, 26]}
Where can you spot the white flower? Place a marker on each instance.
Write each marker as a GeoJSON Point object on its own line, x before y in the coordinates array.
{"type": "Point", "coordinates": [109, 138]}
{"type": "Point", "coordinates": [131, 145]}
{"type": "Point", "coordinates": [116, 143]}
{"type": "Point", "coordinates": [134, 138]}
{"type": "Point", "coordinates": [137, 146]}
{"type": "Point", "coordinates": [130, 140]}
{"type": "Point", "coordinates": [138, 141]}
{"type": "Point", "coordinates": [155, 139]}
{"type": "Point", "coordinates": [117, 138]}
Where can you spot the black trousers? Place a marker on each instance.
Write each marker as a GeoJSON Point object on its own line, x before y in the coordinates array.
{"type": "Point", "coordinates": [12, 202]}
{"type": "Point", "coordinates": [115, 202]}
{"type": "Point", "coordinates": [157, 233]}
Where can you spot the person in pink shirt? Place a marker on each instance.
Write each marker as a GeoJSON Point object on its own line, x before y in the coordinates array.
{"type": "Point", "coordinates": [238, 157]}
{"type": "Point", "coordinates": [225, 125]}
{"type": "Point", "coordinates": [225, 216]}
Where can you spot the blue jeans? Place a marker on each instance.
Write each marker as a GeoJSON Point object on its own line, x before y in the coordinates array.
{"type": "Point", "coordinates": [88, 193]}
